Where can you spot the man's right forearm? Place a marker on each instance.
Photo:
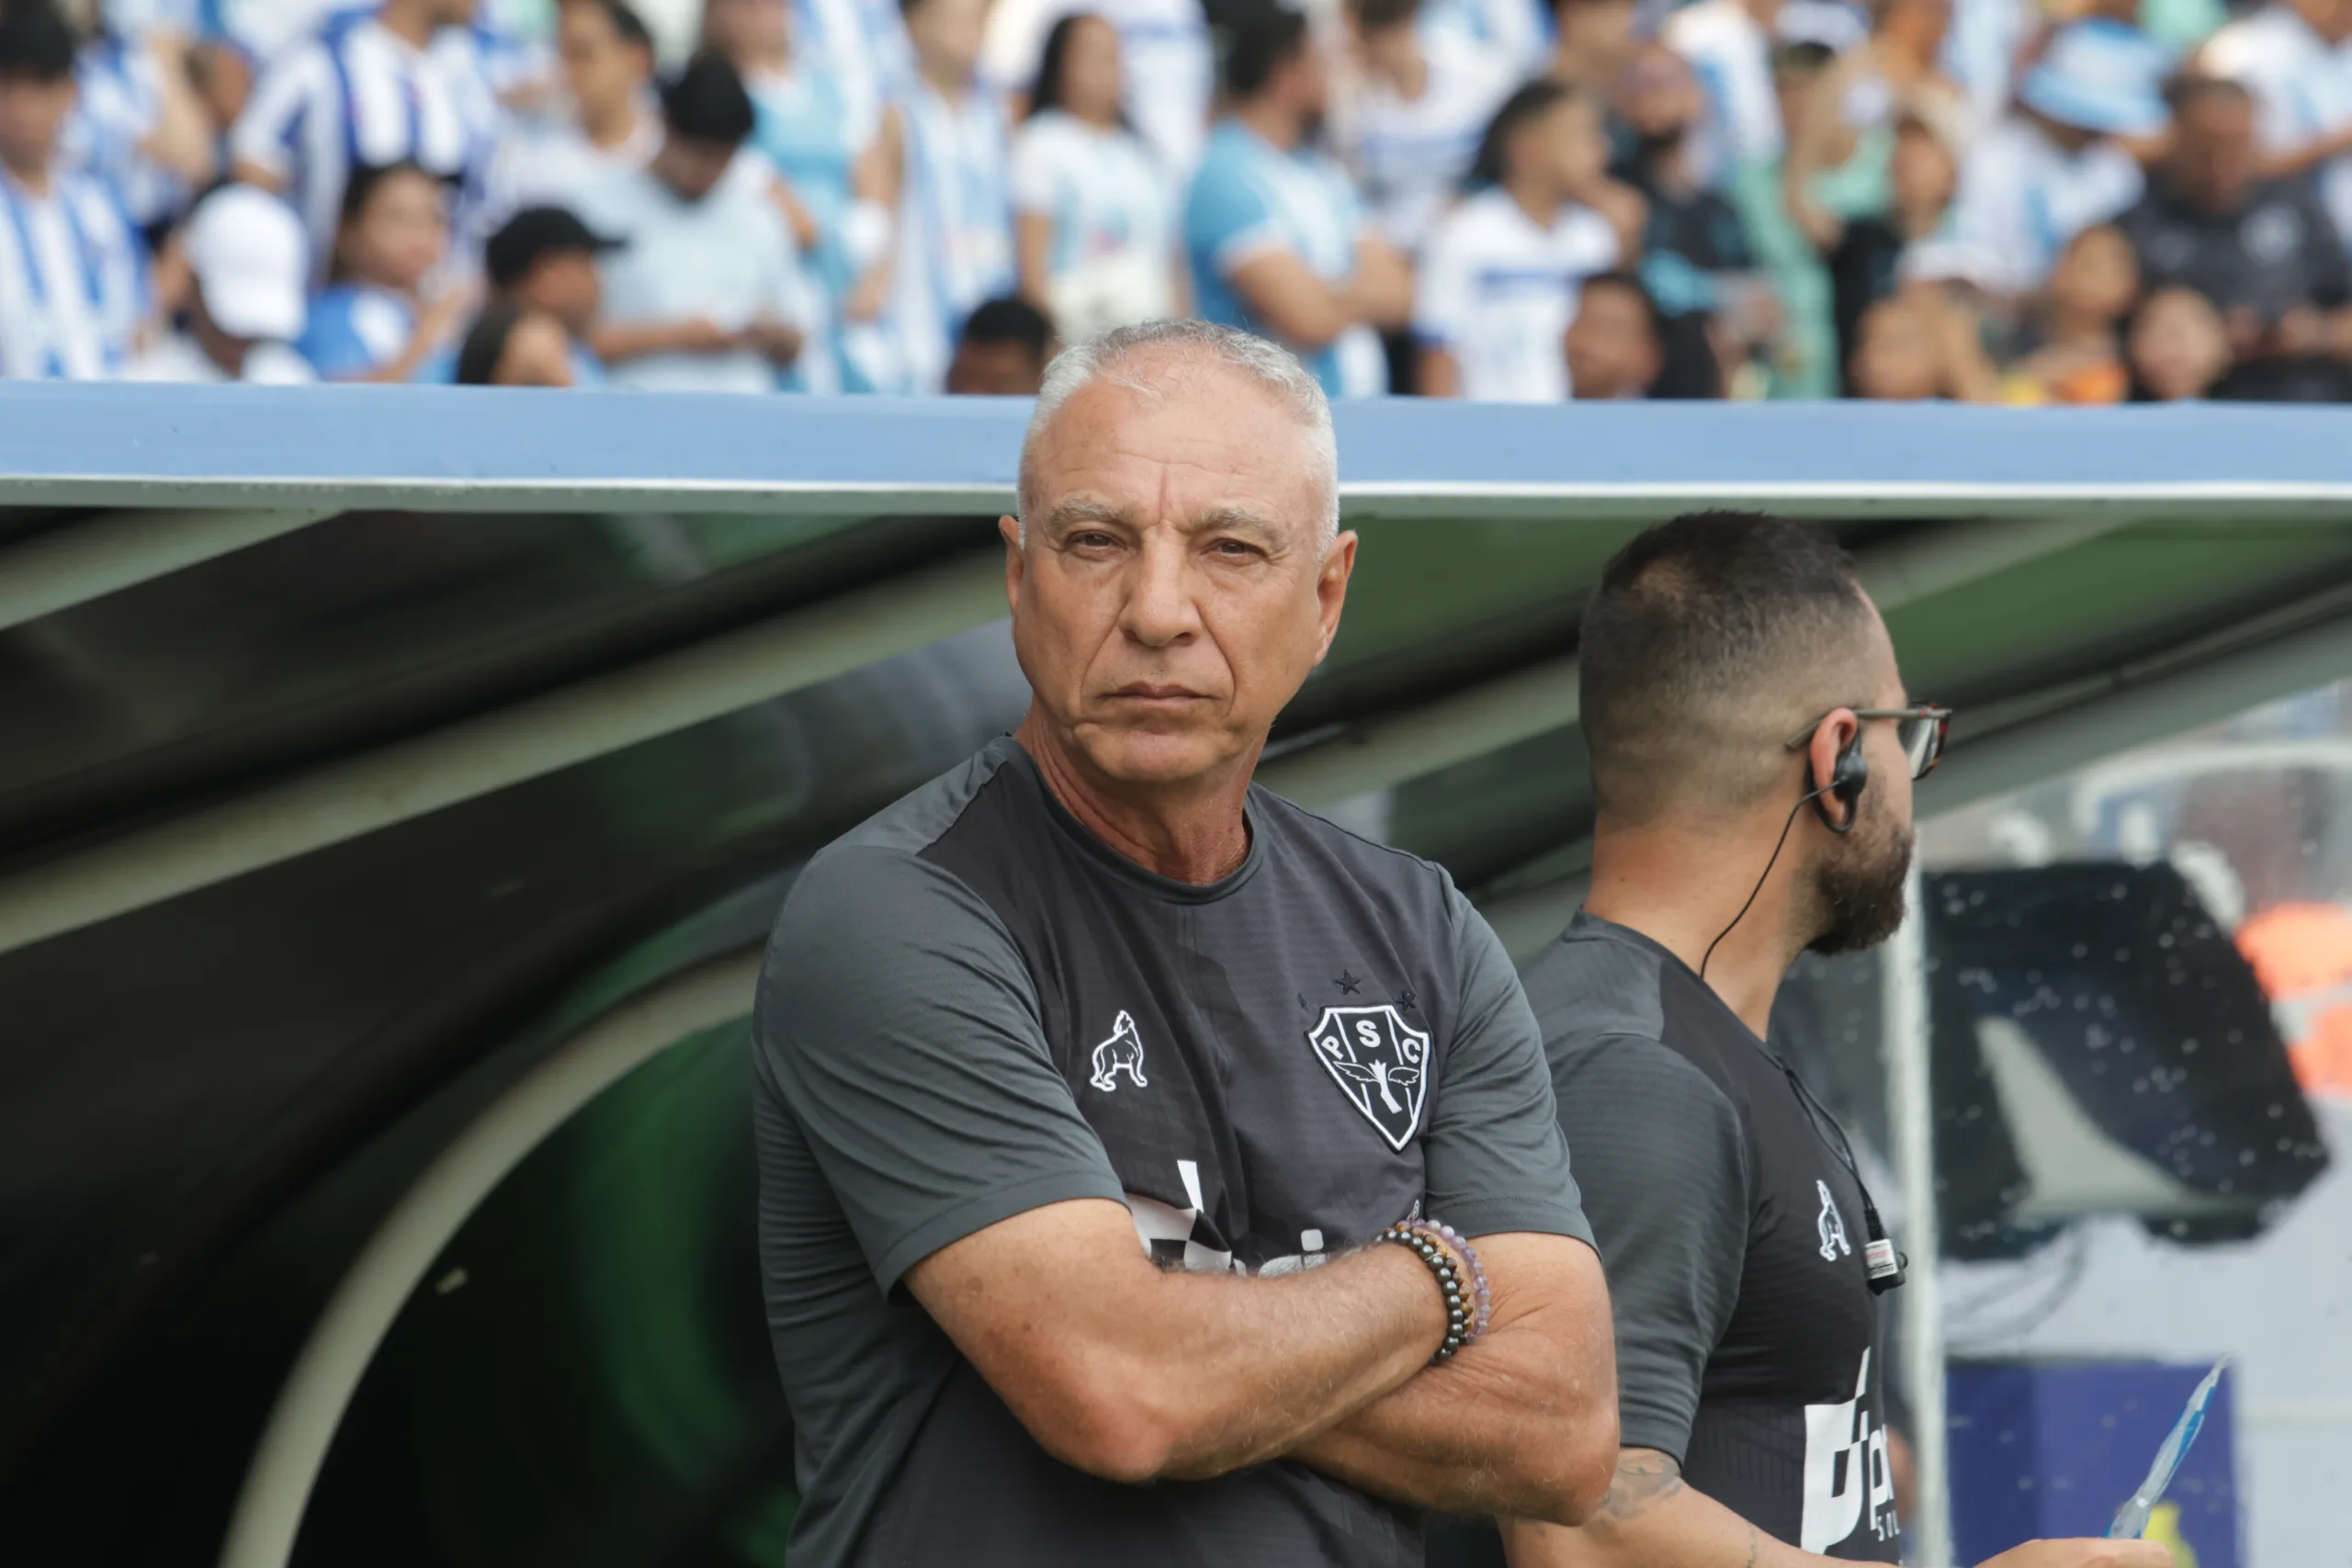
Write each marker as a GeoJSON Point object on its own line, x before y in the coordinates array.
{"type": "Point", "coordinates": [1135, 1374]}
{"type": "Point", "coordinates": [1293, 1356]}
{"type": "Point", "coordinates": [1650, 1519]}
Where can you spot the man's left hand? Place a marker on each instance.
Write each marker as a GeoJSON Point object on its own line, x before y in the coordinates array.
{"type": "Point", "coordinates": [1523, 1421]}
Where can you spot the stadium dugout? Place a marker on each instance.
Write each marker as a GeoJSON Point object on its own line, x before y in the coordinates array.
{"type": "Point", "coordinates": [397, 786]}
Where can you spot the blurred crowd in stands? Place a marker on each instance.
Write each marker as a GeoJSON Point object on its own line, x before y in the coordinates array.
{"type": "Point", "coordinates": [2029, 201]}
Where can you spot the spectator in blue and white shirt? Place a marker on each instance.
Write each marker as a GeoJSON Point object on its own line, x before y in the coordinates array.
{"type": "Point", "coordinates": [606, 56]}
{"type": "Point", "coordinates": [138, 124]}
{"type": "Point", "coordinates": [368, 91]}
{"type": "Point", "coordinates": [2295, 57]}
{"type": "Point", "coordinates": [704, 292]}
{"type": "Point", "coordinates": [372, 322]}
{"type": "Point", "coordinates": [1094, 213]}
{"type": "Point", "coordinates": [861, 48]}
{"type": "Point", "coordinates": [1412, 122]}
{"type": "Point", "coordinates": [946, 143]}
{"type": "Point", "coordinates": [801, 143]}
{"type": "Point", "coordinates": [2057, 166]}
{"type": "Point", "coordinates": [1501, 279]}
{"type": "Point", "coordinates": [1170, 65]}
{"type": "Point", "coordinates": [73, 287]}
{"type": "Point", "coordinates": [1277, 242]}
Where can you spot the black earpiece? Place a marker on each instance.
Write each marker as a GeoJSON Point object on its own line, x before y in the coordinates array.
{"type": "Point", "coordinates": [1847, 782]}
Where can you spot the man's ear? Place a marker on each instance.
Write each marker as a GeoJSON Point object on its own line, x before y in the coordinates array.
{"type": "Point", "coordinates": [1331, 589]}
{"type": "Point", "coordinates": [1016, 563]}
{"type": "Point", "coordinates": [1837, 731]}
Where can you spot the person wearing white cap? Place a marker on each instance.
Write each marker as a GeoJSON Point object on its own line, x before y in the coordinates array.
{"type": "Point", "coordinates": [2295, 57]}
{"type": "Point", "coordinates": [2055, 166]}
{"type": "Point", "coordinates": [249, 261]}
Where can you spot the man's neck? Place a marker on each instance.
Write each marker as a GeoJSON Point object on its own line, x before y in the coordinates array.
{"type": "Point", "coordinates": [1537, 200]}
{"type": "Point", "coordinates": [1575, 68]}
{"type": "Point", "coordinates": [406, 20]}
{"type": "Point", "coordinates": [1270, 119]}
{"type": "Point", "coordinates": [947, 80]}
{"type": "Point", "coordinates": [1411, 76]}
{"type": "Point", "coordinates": [613, 127]}
{"type": "Point", "coordinates": [1199, 836]}
{"type": "Point", "coordinates": [1683, 891]}
{"type": "Point", "coordinates": [30, 177]}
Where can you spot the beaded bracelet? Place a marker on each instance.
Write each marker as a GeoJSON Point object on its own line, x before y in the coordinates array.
{"type": "Point", "coordinates": [1482, 1300]}
{"type": "Point", "coordinates": [1460, 1306]}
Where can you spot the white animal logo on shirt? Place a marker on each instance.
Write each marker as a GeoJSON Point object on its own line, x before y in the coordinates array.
{"type": "Point", "coordinates": [1122, 1053]}
{"type": "Point", "coordinates": [1832, 1224]}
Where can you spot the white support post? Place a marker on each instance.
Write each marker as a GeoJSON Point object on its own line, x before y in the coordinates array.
{"type": "Point", "coordinates": [1912, 1116]}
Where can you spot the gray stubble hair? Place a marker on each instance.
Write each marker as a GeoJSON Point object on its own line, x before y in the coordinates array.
{"type": "Point", "coordinates": [1106, 355]}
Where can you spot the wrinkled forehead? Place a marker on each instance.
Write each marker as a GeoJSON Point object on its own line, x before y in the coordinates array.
{"type": "Point", "coordinates": [1171, 439]}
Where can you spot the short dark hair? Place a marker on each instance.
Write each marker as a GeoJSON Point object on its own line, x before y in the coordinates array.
{"type": "Point", "coordinates": [368, 178]}
{"type": "Point", "coordinates": [1010, 319]}
{"type": "Point", "coordinates": [627, 26]}
{"type": "Point", "coordinates": [1053, 59]}
{"type": "Point", "coordinates": [1632, 284]}
{"type": "Point", "coordinates": [1257, 43]}
{"type": "Point", "coordinates": [36, 41]}
{"type": "Point", "coordinates": [2190, 88]}
{"type": "Point", "coordinates": [1531, 103]}
{"type": "Point", "coordinates": [1383, 12]}
{"type": "Point", "coordinates": [1708, 642]}
{"type": "Point", "coordinates": [706, 102]}
{"type": "Point", "coordinates": [485, 345]}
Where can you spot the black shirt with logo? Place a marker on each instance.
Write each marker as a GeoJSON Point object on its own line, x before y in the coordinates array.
{"type": "Point", "coordinates": [972, 1007]}
{"type": "Point", "coordinates": [1731, 1232]}
{"type": "Point", "coordinates": [2277, 252]}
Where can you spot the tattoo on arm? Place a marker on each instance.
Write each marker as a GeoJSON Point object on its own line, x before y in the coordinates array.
{"type": "Point", "coordinates": [1642, 1480]}
{"type": "Point", "coordinates": [1751, 1546]}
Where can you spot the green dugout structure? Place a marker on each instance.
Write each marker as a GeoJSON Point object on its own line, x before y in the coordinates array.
{"type": "Point", "coordinates": [398, 786]}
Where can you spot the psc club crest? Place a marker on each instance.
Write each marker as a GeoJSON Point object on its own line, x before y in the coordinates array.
{"type": "Point", "coordinates": [1381, 1061]}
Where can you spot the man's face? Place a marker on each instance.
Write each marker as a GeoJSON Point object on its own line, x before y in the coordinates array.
{"type": "Point", "coordinates": [564, 285]}
{"type": "Point", "coordinates": [1658, 98]}
{"type": "Point", "coordinates": [1174, 593]}
{"type": "Point", "coordinates": [31, 112]}
{"type": "Point", "coordinates": [1304, 84]}
{"type": "Point", "coordinates": [1858, 879]}
{"type": "Point", "coordinates": [995, 370]}
{"type": "Point", "coordinates": [1598, 31]}
{"type": "Point", "coordinates": [1897, 360]}
{"type": "Point", "coordinates": [1386, 50]}
{"type": "Point", "coordinates": [947, 34]}
{"type": "Point", "coordinates": [692, 169]}
{"type": "Point", "coordinates": [2214, 151]}
{"type": "Point", "coordinates": [1611, 351]}
{"type": "Point", "coordinates": [601, 71]}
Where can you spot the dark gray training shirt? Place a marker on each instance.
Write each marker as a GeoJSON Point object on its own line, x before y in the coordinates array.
{"type": "Point", "coordinates": [1731, 1232]}
{"type": "Point", "coordinates": [971, 1008]}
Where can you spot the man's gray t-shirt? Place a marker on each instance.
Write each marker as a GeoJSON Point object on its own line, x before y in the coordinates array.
{"type": "Point", "coordinates": [972, 1007]}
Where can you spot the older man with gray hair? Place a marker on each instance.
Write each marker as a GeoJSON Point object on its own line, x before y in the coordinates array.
{"type": "Point", "coordinates": [1151, 1173]}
